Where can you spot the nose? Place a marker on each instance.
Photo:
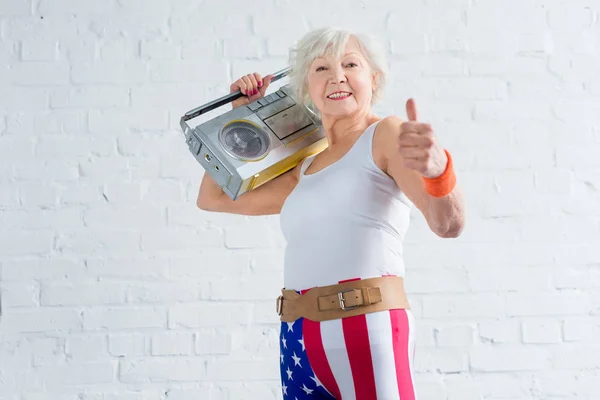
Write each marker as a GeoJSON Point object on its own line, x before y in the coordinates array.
{"type": "Point", "coordinates": [337, 75]}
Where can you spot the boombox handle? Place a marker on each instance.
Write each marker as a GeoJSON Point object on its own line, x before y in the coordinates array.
{"type": "Point", "coordinates": [222, 101]}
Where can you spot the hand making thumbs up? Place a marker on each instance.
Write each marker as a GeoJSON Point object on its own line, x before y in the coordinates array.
{"type": "Point", "coordinates": [418, 145]}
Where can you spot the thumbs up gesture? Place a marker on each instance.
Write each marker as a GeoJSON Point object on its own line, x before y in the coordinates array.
{"type": "Point", "coordinates": [418, 145]}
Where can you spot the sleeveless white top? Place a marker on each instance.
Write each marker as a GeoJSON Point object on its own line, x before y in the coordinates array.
{"type": "Point", "coordinates": [345, 221]}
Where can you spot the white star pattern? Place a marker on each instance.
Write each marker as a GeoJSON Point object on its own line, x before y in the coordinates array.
{"type": "Point", "coordinates": [307, 390]}
{"type": "Point", "coordinates": [299, 381]}
{"type": "Point", "coordinates": [296, 360]}
{"type": "Point", "coordinates": [317, 381]}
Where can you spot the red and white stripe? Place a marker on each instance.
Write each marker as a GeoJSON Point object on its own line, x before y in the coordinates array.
{"type": "Point", "coordinates": [364, 357]}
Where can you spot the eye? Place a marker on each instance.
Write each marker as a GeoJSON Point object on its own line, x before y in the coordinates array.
{"type": "Point", "coordinates": [353, 64]}
{"type": "Point", "coordinates": [319, 68]}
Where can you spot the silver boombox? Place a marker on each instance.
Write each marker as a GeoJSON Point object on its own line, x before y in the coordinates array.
{"type": "Point", "coordinates": [250, 145]}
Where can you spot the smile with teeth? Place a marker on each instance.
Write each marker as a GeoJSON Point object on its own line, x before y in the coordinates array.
{"type": "Point", "coordinates": [339, 95]}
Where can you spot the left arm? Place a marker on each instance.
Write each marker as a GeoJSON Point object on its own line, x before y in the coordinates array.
{"type": "Point", "coordinates": [411, 153]}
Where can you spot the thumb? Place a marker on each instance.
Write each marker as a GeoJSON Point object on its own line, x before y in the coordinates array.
{"type": "Point", "coordinates": [411, 110]}
{"type": "Point", "coordinates": [266, 82]}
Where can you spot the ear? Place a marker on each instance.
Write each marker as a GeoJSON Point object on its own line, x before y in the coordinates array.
{"type": "Point", "coordinates": [374, 81]}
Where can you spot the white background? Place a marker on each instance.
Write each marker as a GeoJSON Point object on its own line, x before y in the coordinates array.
{"type": "Point", "coordinates": [115, 286]}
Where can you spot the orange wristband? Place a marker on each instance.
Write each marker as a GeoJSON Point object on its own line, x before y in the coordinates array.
{"type": "Point", "coordinates": [443, 184]}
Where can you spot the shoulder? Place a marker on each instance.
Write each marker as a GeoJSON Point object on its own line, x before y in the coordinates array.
{"type": "Point", "coordinates": [385, 138]}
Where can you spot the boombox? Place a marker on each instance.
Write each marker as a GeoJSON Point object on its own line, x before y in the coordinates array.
{"type": "Point", "coordinates": [253, 144]}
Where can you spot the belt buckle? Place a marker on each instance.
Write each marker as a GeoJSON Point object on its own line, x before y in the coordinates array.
{"type": "Point", "coordinates": [342, 300]}
{"type": "Point", "coordinates": [279, 306]}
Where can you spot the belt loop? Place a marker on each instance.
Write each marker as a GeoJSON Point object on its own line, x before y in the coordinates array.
{"type": "Point", "coordinates": [366, 297]}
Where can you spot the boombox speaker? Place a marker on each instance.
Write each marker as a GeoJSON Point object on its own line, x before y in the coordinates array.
{"type": "Point", "coordinates": [253, 144]}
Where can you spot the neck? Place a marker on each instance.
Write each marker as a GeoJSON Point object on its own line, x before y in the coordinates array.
{"type": "Point", "coordinates": [342, 129]}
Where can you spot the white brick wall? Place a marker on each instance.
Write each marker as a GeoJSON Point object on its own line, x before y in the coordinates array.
{"type": "Point", "coordinates": [114, 286]}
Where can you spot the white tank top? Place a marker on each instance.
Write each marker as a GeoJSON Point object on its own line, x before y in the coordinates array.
{"type": "Point", "coordinates": [345, 221]}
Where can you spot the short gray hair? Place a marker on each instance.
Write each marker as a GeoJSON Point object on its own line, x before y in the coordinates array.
{"type": "Point", "coordinates": [331, 41]}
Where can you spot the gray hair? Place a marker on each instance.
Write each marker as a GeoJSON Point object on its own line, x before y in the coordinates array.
{"type": "Point", "coordinates": [331, 41]}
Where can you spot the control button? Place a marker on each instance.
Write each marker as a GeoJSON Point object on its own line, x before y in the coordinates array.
{"type": "Point", "coordinates": [254, 106]}
{"type": "Point", "coordinates": [194, 145]}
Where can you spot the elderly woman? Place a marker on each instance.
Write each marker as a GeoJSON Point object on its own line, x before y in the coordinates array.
{"type": "Point", "coordinates": [347, 331]}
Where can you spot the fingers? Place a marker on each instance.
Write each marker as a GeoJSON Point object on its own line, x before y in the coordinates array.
{"type": "Point", "coordinates": [252, 84]}
{"type": "Point", "coordinates": [408, 140]}
{"type": "Point", "coordinates": [415, 153]}
{"type": "Point", "coordinates": [416, 127]}
{"type": "Point", "coordinates": [248, 85]}
{"type": "Point", "coordinates": [411, 110]}
{"type": "Point", "coordinates": [266, 81]}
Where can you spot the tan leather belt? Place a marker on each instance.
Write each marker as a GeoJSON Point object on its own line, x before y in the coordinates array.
{"type": "Point", "coordinates": [346, 299]}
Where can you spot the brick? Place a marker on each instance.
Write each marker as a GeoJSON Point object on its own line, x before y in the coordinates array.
{"type": "Point", "coordinates": [248, 236]}
{"type": "Point", "coordinates": [77, 374]}
{"type": "Point", "coordinates": [174, 240]}
{"type": "Point", "coordinates": [208, 314]}
{"type": "Point", "coordinates": [228, 369]}
{"type": "Point", "coordinates": [40, 73]}
{"type": "Point", "coordinates": [15, 8]}
{"type": "Point", "coordinates": [124, 318]}
{"type": "Point", "coordinates": [163, 369]}
{"type": "Point", "coordinates": [577, 356]}
{"type": "Point", "coordinates": [127, 345]}
{"type": "Point", "coordinates": [454, 335]}
{"type": "Point", "coordinates": [41, 219]}
{"type": "Point", "coordinates": [42, 320]}
{"type": "Point", "coordinates": [80, 293]}
{"type": "Point", "coordinates": [110, 72]}
{"type": "Point", "coordinates": [39, 50]}
{"type": "Point", "coordinates": [19, 294]}
{"type": "Point", "coordinates": [113, 216]}
{"type": "Point", "coordinates": [500, 331]}
{"type": "Point", "coordinates": [435, 280]}
{"type": "Point", "coordinates": [99, 96]}
{"type": "Point", "coordinates": [39, 170]}
{"type": "Point", "coordinates": [540, 330]}
{"type": "Point", "coordinates": [99, 240]}
{"type": "Point", "coordinates": [219, 262]}
{"type": "Point", "coordinates": [246, 288]}
{"type": "Point", "coordinates": [161, 292]}
{"type": "Point", "coordinates": [581, 329]}
{"type": "Point", "coordinates": [130, 268]}
{"type": "Point", "coordinates": [216, 342]}
{"type": "Point", "coordinates": [467, 305]}
{"type": "Point", "coordinates": [172, 344]}
{"type": "Point", "coordinates": [561, 18]}
{"type": "Point", "coordinates": [117, 121]}
{"type": "Point", "coordinates": [509, 357]}
{"type": "Point", "coordinates": [538, 303]}
{"type": "Point", "coordinates": [447, 360]}
{"type": "Point", "coordinates": [22, 243]}
{"type": "Point", "coordinates": [87, 348]}
{"type": "Point", "coordinates": [42, 269]}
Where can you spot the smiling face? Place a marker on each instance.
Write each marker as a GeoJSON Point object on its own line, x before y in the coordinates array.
{"type": "Point", "coordinates": [351, 77]}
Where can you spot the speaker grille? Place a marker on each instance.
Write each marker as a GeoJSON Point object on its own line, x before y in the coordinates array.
{"type": "Point", "coordinates": [244, 140]}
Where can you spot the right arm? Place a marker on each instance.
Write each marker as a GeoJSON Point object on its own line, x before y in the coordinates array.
{"type": "Point", "coordinates": [266, 199]}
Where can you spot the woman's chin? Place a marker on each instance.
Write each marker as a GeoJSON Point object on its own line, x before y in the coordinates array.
{"type": "Point", "coordinates": [341, 110]}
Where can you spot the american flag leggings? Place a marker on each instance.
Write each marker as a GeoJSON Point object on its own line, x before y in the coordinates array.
{"type": "Point", "coordinates": [363, 357]}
